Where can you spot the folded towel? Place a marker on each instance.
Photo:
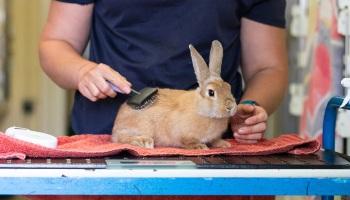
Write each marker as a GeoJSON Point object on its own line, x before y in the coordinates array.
{"type": "Point", "coordinates": [88, 145]}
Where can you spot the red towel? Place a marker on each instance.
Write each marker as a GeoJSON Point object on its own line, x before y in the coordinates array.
{"type": "Point", "coordinates": [100, 145]}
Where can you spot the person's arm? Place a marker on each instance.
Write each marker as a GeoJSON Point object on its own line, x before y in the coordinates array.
{"type": "Point", "coordinates": [62, 42]}
{"type": "Point", "coordinates": [265, 72]}
{"type": "Point", "coordinates": [264, 63]}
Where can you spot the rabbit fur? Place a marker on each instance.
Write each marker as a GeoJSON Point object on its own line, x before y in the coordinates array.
{"type": "Point", "coordinates": [178, 118]}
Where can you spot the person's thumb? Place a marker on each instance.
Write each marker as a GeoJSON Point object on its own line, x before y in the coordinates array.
{"type": "Point", "coordinates": [245, 110]}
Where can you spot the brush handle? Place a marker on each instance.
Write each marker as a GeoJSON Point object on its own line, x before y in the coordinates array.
{"type": "Point", "coordinates": [117, 89]}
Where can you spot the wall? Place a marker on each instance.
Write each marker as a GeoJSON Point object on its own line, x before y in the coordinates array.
{"type": "Point", "coordinates": [46, 103]}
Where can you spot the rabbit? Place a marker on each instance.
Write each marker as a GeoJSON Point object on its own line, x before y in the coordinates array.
{"type": "Point", "coordinates": [190, 119]}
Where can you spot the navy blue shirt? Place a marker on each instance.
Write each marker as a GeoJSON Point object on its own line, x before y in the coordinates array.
{"type": "Point", "coordinates": [147, 42]}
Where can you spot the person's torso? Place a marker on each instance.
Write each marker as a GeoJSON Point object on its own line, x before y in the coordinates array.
{"type": "Point", "coordinates": [147, 42]}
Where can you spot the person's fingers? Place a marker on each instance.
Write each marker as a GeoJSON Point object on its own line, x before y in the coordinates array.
{"type": "Point", "coordinates": [86, 93]}
{"type": "Point", "coordinates": [249, 115]}
{"type": "Point", "coordinates": [235, 127]}
{"type": "Point", "coordinates": [259, 117]}
{"type": "Point", "coordinates": [115, 78]}
{"type": "Point", "coordinates": [102, 96]}
{"type": "Point", "coordinates": [109, 92]}
{"type": "Point", "coordinates": [257, 128]}
{"type": "Point", "coordinates": [250, 124]}
{"type": "Point", "coordinates": [254, 136]}
{"type": "Point", "coordinates": [246, 141]}
{"type": "Point", "coordinates": [243, 111]}
{"type": "Point", "coordinates": [95, 91]}
{"type": "Point", "coordinates": [104, 87]}
{"type": "Point", "coordinates": [92, 83]}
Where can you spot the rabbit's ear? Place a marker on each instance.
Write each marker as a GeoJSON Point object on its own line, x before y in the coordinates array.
{"type": "Point", "coordinates": [215, 59]}
{"type": "Point", "coordinates": [200, 67]}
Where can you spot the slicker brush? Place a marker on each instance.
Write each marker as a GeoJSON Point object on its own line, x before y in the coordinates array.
{"type": "Point", "coordinates": [139, 99]}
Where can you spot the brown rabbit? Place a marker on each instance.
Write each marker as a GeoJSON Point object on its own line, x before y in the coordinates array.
{"type": "Point", "coordinates": [178, 118]}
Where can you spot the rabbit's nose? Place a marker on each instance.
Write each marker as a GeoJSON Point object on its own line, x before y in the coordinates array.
{"type": "Point", "coordinates": [229, 104]}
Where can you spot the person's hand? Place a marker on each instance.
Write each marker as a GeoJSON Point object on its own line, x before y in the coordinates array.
{"type": "Point", "coordinates": [249, 123]}
{"type": "Point", "coordinates": [92, 81]}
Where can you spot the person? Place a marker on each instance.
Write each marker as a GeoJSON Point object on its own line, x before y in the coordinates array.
{"type": "Point", "coordinates": [139, 43]}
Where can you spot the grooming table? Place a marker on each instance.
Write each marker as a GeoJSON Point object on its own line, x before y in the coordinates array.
{"type": "Point", "coordinates": [325, 173]}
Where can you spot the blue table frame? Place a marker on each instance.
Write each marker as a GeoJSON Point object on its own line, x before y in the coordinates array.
{"type": "Point", "coordinates": [175, 186]}
{"type": "Point", "coordinates": [185, 181]}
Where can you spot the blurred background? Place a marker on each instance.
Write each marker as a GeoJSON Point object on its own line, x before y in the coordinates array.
{"type": "Point", "coordinates": [316, 42]}
{"type": "Point", "coordinates": [28, 98]}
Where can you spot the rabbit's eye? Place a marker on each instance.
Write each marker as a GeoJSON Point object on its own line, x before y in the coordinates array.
{"type": "Point", "coordinates": [211, 93]}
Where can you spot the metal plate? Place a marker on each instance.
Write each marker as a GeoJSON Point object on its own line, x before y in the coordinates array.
{"type": "Point", "coordinates": [320, 160]}
{"type": "Point", "coordinates": [55, 163]}
{"type": "Point", "coordinates": [149, 163]}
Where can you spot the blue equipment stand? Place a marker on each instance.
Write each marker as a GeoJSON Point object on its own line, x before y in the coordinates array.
{"type": "Point", "coordinates": [329, 125]}
{"type": "Point", "coordinates": [173, 176]}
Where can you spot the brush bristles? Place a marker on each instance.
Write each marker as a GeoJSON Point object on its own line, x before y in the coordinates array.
{"type": "Point", "coordinates": [146, 103]}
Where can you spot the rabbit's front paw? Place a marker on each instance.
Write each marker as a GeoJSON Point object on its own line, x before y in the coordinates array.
{"type": "Point", "coordinates": [192, 143]}
{"type": "Point", "coordinates": [143, 141]}
{"type": "Point", "coordinates": [221, 144]}
{"type": "Point", "coordinates": [197, 146]}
